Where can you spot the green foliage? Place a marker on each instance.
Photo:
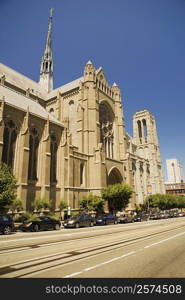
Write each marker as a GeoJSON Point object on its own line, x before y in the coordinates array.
{"type": "Point", "coordinates": [41, 203]}
{"type": "Point", "coordinates": [138, 207]}
{"type": "Point", "coordinates": [7, 187]}
{"type": "Point", "coordinates": [98, 205]}
{"type": "Point", "coordinates": [92, 203]}
{"type": "Point", "coordinates": [23, 217]}
{"type": "Point", "coordinates": [117, 195]}
{"type": "Point", "coordinates": [164, 201]}
{"type": "Point", "coordinates": [62, 205]}
{"type": "Point", "coordinates": [16, 205]}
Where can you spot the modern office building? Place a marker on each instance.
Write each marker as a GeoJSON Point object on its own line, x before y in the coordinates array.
{"type": "Point", "coordinates": [174, 171]}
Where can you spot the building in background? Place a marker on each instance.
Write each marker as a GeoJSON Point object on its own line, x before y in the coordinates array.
{"type": "Point", "coordinates": [174, 171]}
{"type": "Point", "coordinates": [64, 143]}
{"type": "Point", "coordinates": [177, 189]}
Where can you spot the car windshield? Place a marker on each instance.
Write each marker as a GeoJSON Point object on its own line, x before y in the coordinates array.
{"type": "Point", "coordinates": [74, 218]}
{"type": "Point", "coordinates": [4, 218]}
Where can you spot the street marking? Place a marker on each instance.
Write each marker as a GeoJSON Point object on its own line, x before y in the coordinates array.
{"type": "Point", "coordinates": [73, 274]}
{"type": "Point", "coordinates": [109, 261]}
{"type": "Point", "coordinates": [124, 255]}
{"type": "Point", "coordinates": [170, 238]}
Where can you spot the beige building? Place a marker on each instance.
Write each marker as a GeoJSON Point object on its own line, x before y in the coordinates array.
{"type": "Point", "coordinates": [67, 142]}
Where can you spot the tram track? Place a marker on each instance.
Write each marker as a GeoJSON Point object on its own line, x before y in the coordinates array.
{"type": "Point", "coordinates": [43, 263]}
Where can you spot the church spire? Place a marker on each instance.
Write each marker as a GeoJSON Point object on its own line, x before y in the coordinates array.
{"type": "Point", "coordinates": [46, 69]}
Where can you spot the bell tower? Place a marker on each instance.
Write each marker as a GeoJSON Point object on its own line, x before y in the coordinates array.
{"type": "Point", "coordinates": [146, 139]}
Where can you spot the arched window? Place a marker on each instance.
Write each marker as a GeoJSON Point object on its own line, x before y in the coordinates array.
{"type": "Point", "coordinates": [145, 130]}
{"type": "Point", "coordinates": [53, 164]}
{"type": "Point", "coordinates": [51, 111]}
{"type": "Point", "coordinates": [82, 174]}
{"type": "Point", "coordinates": [33, 154]}
{"type": "Point", "coordinates": [72, 116]}
{"type": "Point", "coordinates": [9, 143]}
{"type": "Point", "coordinates": [107, 134]}
{"type": "Point", "coordinates": [139, 131]}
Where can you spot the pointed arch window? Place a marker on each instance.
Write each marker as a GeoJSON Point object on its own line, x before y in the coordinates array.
{"type": "Point", "coordinates": [82, 174]}
{"type": "Point", "coordinates": [139, 131]}
{"type": "Point", "coordinates": [33, 154]}
{"type": "Point", "coordinates": [53, 163]}
{"type": "Point", "coordinates": [9, 143]}
{"type": "Point", "coordinates": [107, 132]}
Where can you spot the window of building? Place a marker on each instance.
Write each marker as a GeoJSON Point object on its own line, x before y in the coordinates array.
{"type": "Point", "coordinates": [107, 133]}
{"type": "Point", "coordinates": [9, 143]}
{"type": "Point", "coordinates": [53, 163]}
{"type": "Point", "coordinates": [139, 131]}
{"type": "Point", "coordinates": [82, 174]}
{"type": "Point", "coordinates": [33, 154]}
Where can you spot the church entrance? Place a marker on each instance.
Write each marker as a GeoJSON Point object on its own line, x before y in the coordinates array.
{"type": "Point", "coordinates": [114, 177]}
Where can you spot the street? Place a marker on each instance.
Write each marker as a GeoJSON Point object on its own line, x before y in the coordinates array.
{"type": "Point", "coordinates": [134, 250]}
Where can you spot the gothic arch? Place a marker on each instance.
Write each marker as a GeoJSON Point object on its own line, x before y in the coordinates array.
{"type": "Point", "coordinates": [114, 176]}
{"type": "Point", "coordinates": [9, 143]}
{"type": "Point", "coordinates": [33, 153]}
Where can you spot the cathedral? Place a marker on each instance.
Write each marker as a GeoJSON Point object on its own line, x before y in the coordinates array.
{"type": "Point", "coordinates": [64, 143]}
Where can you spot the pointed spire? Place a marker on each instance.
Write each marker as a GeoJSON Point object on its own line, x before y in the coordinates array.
{"type": "Point", "coordinates": [46, 70]}
{"type": "Point", "coordinates": [89, 63]}
{"type": "Point", "coordinates": [114, 84]}
{"type": "Point", "coordinates": [48, 49]}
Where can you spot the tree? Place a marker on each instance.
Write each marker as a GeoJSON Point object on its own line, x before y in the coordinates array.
{"type": "Point", "coordinates": [86, 203]}
{"type": "Point", "coordinates": [7, 187]}
{"type": "Point", "coordinates": [41, 203]}
{"type": "Point", "coordinates": [164, 201]}
{"type": "Point", "coordinates": [92, 202]}
{"type": "Point", "coordinates": [16, 205]}
{"type": "Point", "coordinates": [117, 196]}
{"type": "Point", "coordinates": [62, 205]}
{"type": "Point", "coordinates": [98, 205]}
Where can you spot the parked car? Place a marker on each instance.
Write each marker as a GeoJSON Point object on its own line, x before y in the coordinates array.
{"type": "Point", "coordinates": [162, 215]}
{"type": "Point", "coordinates": [174, 213]}
{"type": "Point", "coordinates": [180, 214]}
{"type": "Point", "coordinates": [41, 223]}
{"type": "Point", "coordinates": [126, 218]}
{"type": "Point", "coordinates": [154, 216]}
{"type": "Point", "coordinates": [81, 220]}
{"type": "Point", "coordinates": [6, 224]}
{"type": "Point", "coordinates": [106, 219]}
{"type": "Point", "coordinates": [141, 217]}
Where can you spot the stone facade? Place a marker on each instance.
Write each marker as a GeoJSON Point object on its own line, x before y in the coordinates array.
{"type": "Point", "coordinates": [67, 142]}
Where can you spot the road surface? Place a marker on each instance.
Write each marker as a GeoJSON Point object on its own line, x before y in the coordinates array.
{"type": "Point", "coordinates": [137, 250]}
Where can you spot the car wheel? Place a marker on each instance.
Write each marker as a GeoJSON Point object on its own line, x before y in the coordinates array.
{"type": "Point", "coordinates": [36, 228]}
{"type": "Point", "coordinates": [7, 230]}
{"type": "Point", "coordinates": [77, 225]}
{"type": "Point", "coordinates": [57, 227]}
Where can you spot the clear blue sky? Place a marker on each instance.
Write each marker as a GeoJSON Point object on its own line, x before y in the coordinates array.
{"type": "Point", "coordinates": [139, 43]}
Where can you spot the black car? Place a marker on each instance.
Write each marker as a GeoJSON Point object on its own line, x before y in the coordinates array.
{"type": "Point", "coordinates": [141, 217]}
{"type": "Point", "coordinates": [6, 224]}
{"type": "Point", "coordinates": [154, 216]}
{"type": "Point", "coordinates": [106, 219]}
{"type": "Point", "coordinates": [81, 220]}
{"type": "Point", "coordinates": [41, 223]}
{"type": "Point", "coordinates": [126, 218]}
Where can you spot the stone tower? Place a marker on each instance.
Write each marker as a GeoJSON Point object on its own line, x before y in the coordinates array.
{"type": "Point", "coordinates": [146, 139]}
{"type": "Point", "coordinates": [46, 69]}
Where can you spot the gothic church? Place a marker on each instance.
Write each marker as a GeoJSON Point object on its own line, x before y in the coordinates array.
{"type": "Point", "coordinates": [64, 143]}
